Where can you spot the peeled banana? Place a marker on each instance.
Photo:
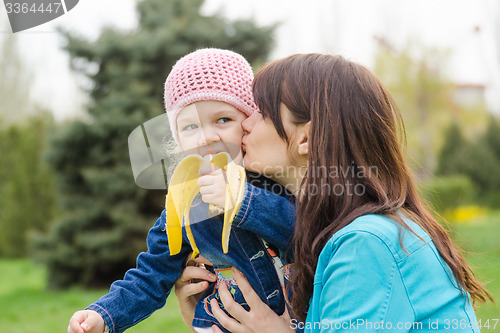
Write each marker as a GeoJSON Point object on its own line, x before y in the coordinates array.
{"type": "Point", "coordinates": [183, 189]}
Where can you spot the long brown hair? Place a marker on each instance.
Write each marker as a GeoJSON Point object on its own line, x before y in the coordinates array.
{"type": "Point", "coordinates": [355, 126]}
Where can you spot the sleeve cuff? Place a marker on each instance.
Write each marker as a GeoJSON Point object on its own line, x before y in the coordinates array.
{"type": "Point", "coordinates": [109, 326]}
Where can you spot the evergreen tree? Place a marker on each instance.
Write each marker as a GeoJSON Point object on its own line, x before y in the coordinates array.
{"type": "Point", "coordinates": [492, 136]}
{"type": "Point", "coordinates": [452, 150]}
{"type": "Point", "coordinates": [105, 215]}
{"type": "Point", "coordinates": [487, 171]}
{"type": "Point", "coordinates": [477, 159]}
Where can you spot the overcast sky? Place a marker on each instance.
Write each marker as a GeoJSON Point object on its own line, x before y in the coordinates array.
{"type": "Point", "coordinates": [347, 27]}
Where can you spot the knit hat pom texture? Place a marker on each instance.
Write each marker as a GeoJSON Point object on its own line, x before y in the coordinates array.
{"type": "Point", "coordinates": [209, 74]}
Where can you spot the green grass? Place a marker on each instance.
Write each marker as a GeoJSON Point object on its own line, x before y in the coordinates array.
{"type": "Point", "coordinates": [480, 238]}
{"type": "Point", "coordinates": [26, 307]}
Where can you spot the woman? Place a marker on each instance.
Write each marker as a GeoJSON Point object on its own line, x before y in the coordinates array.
{"type": "Point", "coordinates": [368, 254]}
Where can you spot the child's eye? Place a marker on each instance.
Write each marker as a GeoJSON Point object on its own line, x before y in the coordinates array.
{"type": "Point", "coordinates": [223, 120]}
{"type": "Point", "coordinates": [190, 127]}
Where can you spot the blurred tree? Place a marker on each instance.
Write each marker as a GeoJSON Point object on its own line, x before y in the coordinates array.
{"type": "Point", "coordinates": [415, 77]}
{"type": "Point", "coordinates": [452, 150]}
{"type": "Point", "coordinates": [492, 136]}
{"type": "Point", "coordinates": [105, 215]}
{"type": "Point", "coordinates": [26, 191]}
{"type": "Point", "coordinates": [14, 82]}
{"type": "Point", "coordinates": [477, 158]}
{"type": "Point", "coordinates": [27, 200]}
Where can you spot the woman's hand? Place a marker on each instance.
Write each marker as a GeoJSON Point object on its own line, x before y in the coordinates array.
{"type": "Point", "coordinates": [259, 319]}
{"type": "Point", "coordinates": [189, 288]}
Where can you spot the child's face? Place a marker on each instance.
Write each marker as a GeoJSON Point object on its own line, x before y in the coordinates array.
{"type": "Point", "coordinates": [210, 127]}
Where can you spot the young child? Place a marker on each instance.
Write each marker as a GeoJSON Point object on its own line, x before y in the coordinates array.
{"type": "Point", "coordinates": [207, 95]}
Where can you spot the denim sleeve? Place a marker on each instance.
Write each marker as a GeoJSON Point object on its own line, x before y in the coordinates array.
{"type": "Point", "coordinates": [270, 216]}
{"type": "Point", "coordinates": [144, 289]}
{"type": "Point", "coordinates": [357, 283]}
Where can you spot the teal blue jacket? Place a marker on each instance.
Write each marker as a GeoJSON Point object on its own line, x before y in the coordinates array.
{"type": "Point", "coordinates": [366, 282]}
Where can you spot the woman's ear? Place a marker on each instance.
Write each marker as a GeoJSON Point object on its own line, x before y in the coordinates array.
{"type": "Point", "coordinates": [303, 140]}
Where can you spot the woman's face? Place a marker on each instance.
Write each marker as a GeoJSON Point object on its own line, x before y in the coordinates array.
{"type": "Point", "coordinates": [266, 152]}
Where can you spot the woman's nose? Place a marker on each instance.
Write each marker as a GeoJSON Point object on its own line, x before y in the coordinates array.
{"type": "Point", "coordinates": [248, 123]}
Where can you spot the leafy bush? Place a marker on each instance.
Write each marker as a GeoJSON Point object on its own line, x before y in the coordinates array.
{"type": "Point", "coordinates": [446, 193]}
{"type": "Point", "coordinates": [465, 214]}
{"type": "Point", "coordinates": [27, 197]}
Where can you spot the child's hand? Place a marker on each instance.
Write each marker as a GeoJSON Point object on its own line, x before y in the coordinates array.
{"type": "Point", "coordinates": [86, 321]}
{"type": "Point", "coordinates": [212, 185]}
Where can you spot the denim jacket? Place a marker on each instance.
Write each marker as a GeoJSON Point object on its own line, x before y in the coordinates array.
{"type": "Point", "coordinates": [262, 215]}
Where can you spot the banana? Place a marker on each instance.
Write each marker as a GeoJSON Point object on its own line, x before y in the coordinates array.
{"type": "Point", "coordinates": [175, 200]}
{"type": "Point", "coordinates": [191, 189]}
{"type": "Point", "coordinates": [234, 193]}
{"type": "Point", "coordinates": [183, 188]}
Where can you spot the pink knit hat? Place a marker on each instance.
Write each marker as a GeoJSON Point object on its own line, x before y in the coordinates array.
{"type": "Point", "coordinates": [209, 74]}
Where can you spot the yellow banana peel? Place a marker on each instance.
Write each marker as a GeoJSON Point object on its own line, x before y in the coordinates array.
{"type": "Point", "coordinates": [183, 188]}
